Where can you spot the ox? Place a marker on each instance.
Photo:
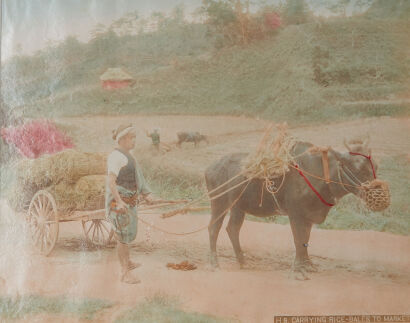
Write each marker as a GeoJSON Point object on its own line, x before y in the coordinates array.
{"type": "Point", "coordinates": [194, 137]}
{"type": "Point", "coordinates": [296, 198]}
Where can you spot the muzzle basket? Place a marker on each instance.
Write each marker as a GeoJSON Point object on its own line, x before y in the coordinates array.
{"type": "Point", "coordinates": [376, 195]}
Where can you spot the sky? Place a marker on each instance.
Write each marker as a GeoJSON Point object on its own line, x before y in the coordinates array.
{"type": "Point", "coordinates": [31, 24]}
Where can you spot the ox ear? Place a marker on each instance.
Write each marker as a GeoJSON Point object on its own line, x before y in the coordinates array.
{"type": "Point", "coordinates": [346, 145]}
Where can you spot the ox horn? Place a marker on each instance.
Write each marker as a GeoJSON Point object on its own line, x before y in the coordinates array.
{"type": "Point", "coordinates": [346, 145]}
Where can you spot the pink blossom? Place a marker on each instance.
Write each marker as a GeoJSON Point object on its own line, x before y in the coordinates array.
{"type": "Point", "coordinates": [36, 138]}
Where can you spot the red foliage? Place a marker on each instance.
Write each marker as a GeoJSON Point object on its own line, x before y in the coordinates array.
{"type": "Point", "coordinates": [36, 138]}
{"type": "Point", "coordinates": [272, 20]}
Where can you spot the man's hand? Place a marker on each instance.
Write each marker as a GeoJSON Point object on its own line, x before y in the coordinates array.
{"type": "Point", "coordinates": [121, 206]}
{"type": "Point", "coordinates": [148, 198]}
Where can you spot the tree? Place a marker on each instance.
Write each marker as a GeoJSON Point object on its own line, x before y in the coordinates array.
{"type": "Point", "coordinates": [296, 12]}
{"type": "Point", "coordinates": [389, 9]}
{"type": "Point", "coordinates": [339, 7]}
{"type": "Point", "coordinates": [126, 25]}
{"type": "Point", "coordinates": [231, 22]}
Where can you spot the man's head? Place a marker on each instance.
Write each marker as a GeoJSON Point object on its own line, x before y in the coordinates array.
{"type": "Point", "coordinates": [124, 135]}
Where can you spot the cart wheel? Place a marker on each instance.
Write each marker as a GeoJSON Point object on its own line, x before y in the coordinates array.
{"type": "Point", "coordinates": [98, 232]}
{"type": "Point", "coordinates": [42, 219]}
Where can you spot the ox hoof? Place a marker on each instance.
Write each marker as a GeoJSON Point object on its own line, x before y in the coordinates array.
{"type": "Point", "coordinates": [298, 274]}
{"type": "Point", "coordinates": [310, 267]}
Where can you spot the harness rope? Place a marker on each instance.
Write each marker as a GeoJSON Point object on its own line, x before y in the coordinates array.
{"type": "Point", "coordinates": [204, 227]}
{"type": "Point", "coordinates": [267, 180]}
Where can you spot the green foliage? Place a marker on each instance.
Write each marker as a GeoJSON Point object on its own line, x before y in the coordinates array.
{"type": "Point", "coordinates": [340, 7]}
{"type": "Point", "coordinates": [24, 306]}
{"type": "Point", "coordinates": [305, 74]}
{"type": "Point", "coordinates": [296, 12]}
{"type": "Point", "coordinates": [163, 309]}
{"type": "Point", "coordinates": [169, 184]}
{"type": "Point", "coordinates": [389, 9]}
{"type": "Point", "coordinates": [232, 23]}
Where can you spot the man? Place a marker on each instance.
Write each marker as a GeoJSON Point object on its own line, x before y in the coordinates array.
{"type": "Point", "coordinates": [125, 183]}
{"type": "Point", "coordinates": [155, 137]}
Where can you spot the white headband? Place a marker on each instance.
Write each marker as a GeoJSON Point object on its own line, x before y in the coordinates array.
{"type": "Point", "coordinates": [123, 133]}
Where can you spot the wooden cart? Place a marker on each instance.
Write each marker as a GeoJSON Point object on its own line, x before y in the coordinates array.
{"type": "Point", "coordinates": [43, 219]}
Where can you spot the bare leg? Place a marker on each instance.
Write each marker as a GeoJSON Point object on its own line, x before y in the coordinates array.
{"type": "Point", "coordinates": [233, 228]}
{"type": "Point", "coordinates": [124, 258]}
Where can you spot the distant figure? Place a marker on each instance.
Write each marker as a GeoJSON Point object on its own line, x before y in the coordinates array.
{"type": "Point", "coordinates": [194, 137]}
{"type": "Point", "coordinates": [155, 137]}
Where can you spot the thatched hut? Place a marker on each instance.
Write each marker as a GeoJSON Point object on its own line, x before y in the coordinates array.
{"type": "Point", "coordinates": [115, 78]}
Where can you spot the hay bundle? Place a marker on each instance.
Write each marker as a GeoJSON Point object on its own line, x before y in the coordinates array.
{"type": "Point", "coordinates": [65, 196]}
{"type": "Point", "coordinates": [92, 192]}
{"type": "Point", "coordinates": [69, 165]}
{"type": "Point", "coordinates": [58, 174]}
{"type": "Point", "coordinates": [273, 154]}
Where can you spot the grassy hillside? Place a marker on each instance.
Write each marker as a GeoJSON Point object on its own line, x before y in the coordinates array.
{"type": "Point", "coordinates": [310, 72]}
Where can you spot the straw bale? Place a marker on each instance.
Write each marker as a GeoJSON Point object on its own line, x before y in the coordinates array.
{"type": "Point", "coordinates": [272, 156]}
{"type": "Point", "coordinates": [92, 192]}
{"type": "Point", "coordinates": [87, 194]}
{"type": "Point", "coordinates": [65, 196]}
{"type": "Point", "coordinates": [69, 165]}
{"type": "Point", "coordinates": [57, 173]}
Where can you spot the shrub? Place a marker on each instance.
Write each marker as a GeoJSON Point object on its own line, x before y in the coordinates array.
{"type": "Point", "coordinates": [36, 138]}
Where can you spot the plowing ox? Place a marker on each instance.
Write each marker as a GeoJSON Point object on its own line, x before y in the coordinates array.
{"type": "Point", "coordinates": [305, 199]}
{"type": "Point", "coordinates": [194, 137]}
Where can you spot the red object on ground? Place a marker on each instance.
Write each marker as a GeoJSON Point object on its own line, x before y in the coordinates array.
{"type": "Point", "coordinates": [272, 20]}
{"type": "Point", "coordinates": [112, 84]}
{"type": "Point", "coordinates": [36, 138]}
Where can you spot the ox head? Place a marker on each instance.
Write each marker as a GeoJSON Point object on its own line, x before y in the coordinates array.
{"type": "Point", "coordinates": [356, 166]}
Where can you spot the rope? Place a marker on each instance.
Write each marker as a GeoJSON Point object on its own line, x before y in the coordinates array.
{"type": "Point", "coordinates": [369, 158]}
{"type": "Point", "coordinates": [323, 179]}
{"type": "Point", "coordinates": [247, 181]}
{"type": "Point", "coordinates": [217, 188]}
{"type": "Point", "coordinates": [313, 189]}
{"type": "Point", "coordinates": [280, 186]}
{"type": "Point", "coordinates": [204, 227]}
{"type": "Point", "coordinates": [340, 179]}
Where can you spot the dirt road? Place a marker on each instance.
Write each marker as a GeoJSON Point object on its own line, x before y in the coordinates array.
{"type": "Point", "coordinates": [360, 272]}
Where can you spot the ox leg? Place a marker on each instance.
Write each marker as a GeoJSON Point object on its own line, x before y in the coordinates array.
{"type": "Point", "coordinates": [218, 215]}
{"type": "Point", "coordinates": [301, 233]}
{"type": "Point", "coordinates": [233, 228]}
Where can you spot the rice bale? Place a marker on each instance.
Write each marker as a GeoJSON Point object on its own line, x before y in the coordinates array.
{"type": "Point", "coordinates": [91, 191]}
{"type": "Point", "coordinates": [68, 165]}
{"type": "Point", "coordinates": [65, 196]}
{"type": "Point", "coordinates": [62, 169]}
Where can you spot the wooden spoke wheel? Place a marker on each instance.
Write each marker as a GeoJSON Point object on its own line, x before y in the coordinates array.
{"type": "Point", "coordinates": [98, 232]}
{"type": "Point", "coordinates": [42, 219]}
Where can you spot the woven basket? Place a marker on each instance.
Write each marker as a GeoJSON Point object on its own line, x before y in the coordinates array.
{"type": "Point", "coordinates": [376, 195]}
